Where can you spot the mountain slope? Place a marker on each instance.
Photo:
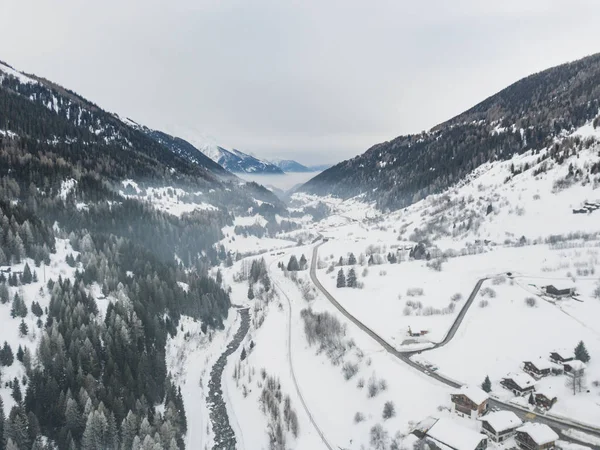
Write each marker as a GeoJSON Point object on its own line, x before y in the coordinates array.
{"type": "Point", "coordinates": [239, 162]}
{"type": "Point", "coordinates": [527, 115]}
{"type": "Point", "coordinates": [290, 166]}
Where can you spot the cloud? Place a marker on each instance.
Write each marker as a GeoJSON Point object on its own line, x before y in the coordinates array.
{"type": "Point", "coordinates": [312, 80]}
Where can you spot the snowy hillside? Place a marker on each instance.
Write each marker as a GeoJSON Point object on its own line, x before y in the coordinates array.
{"type": "Point", "coordinates": [237, 161]}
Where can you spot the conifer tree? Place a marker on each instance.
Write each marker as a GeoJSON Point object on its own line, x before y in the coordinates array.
{"type": "Point", "coordinates": [4, 294]}
{"type": "Point", "coordinates": [23, 328]}
{"type": "Point", "coordinates": [581, 352]}
{"type": "Point", "coordinates": [27, 277]}
{"type": "Point", "coordinates": [6, 355]}
{"type": "Point", "coordinates": [16, 390]}
{"type": "Point", "coordinates": [487, 384]}
{"type": "Point", "coordinates": [351, 259]}
{"type": "Point", "coordinates": [341, 279]}
{"type": "Point", "coordinates": [250, 292]}
{"type": "Point", "coordinates": [2, 424]}
{"type": "Point", "coordinates": [303, 262]}
{"type": "Point", "coordinates": [351, 279]}
{"type": "Point", "coordinates": [293, 264]}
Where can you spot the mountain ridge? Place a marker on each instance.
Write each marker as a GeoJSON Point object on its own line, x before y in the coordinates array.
{"type": "Point", "coordinates": [527, 115]}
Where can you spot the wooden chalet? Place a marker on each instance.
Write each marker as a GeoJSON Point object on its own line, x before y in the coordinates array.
{"type": "Point", "coordinates": [559, 292]}
{"type": "Point", "coordinates": [500, 425]}
{"type": "Point", "coordinates": [544, 398]}
{"type": "Point", "coordinates": [536, 436]}
{"type": "Point", "coordinates": [452, 435]}
{"type": "Point", "coordinates": [538, 368]}
{"type": "Point", "coordinates": [469, 401]}
{"type": "Point", "coordinates": [519, 383]}
{"type": "Point", "coordinates": [574, 367]}
{"type": "Point", "coordinates": [561, 356]}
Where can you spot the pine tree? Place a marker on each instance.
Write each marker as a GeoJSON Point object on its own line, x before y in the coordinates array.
{"type": "Point", "coordinates": [243, 355]}
{"type": "Point", "coordinates": [6, 355]}
{"type": "Point", "coordinates": [487, 384]}
{"type": "Point", "coordinates": [303, 262]}
{"type": "Point", "coordinates": [267, 283]}
{"type": "Point", "coordinates": [341, 262]}
{"type": "Point", "coordinates": [351, 259]}
{"type": "Point", "coordinates": [351, 280]}
{"type": "Point", "coordinates": [581, 352]}
{"type": "Point", "coordinates": [16, 390]}
{"type": "Point", "coordinates": [250, 293]}
{"type": "Point", "coordinates": [531, 399]}
{"type": "Point", "coordinates": [2, 424]}
{"type": "Point", "coordinates": [20, 354]}
{"type": "Point", "coordinates": [27, 277]}
{"type": "Point", "coordinates": [219, 277]}
{"type": "Point", "coordinates": [4, 294]}
{"type": "Point", "coordinates": [23, 328]}
{"type": "Point", "coordinates": [293, 264]}
{"type": "Point", "coordinates": [341, 279]}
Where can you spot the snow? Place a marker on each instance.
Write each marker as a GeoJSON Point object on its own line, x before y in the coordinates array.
{"type": "Point", "coordinates": [66, 187]}
{"type": "Point", "coordinates": [502, 420]}
{"type": "Point", "coordinates": [23, 79]}
{"type": "Point", "coordinates": [473, 393]}
{"type": "Point", "coordinates": [449, 432]}
{"type": "Point", "coordinates": [541, 433]}
{"type": "Point", "coordinates": [522, 380]}
{"type": "Point", "coordinates": [583, 437]}
{"type": "Point", "coordinates": [576, 365]}
{"type": "Point", "coordinates": [542, 364]}
{"type": "Point", "coordinates": [36, 291]}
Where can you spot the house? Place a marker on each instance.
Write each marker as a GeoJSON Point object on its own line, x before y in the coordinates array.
{"type": "Point", "coordinates": [574, 367]}
{"type": "Point", "coordinates": [536, 436]}
{"type": "Point", "coordinates": [538, 368]}
{"type": "Point", "coordinates": [562, 356]}
{"type": "Point", "coordinates": [469, 401]}
{"type": "Point", "coordinates": [451, 434]}
{"type": "Point", "coordinates": [518, 383]}
{"type": "Point", "coordinates": [559, 292]}
{"type": "Point", "coordinates": [544, 397]}
{"type": "Point", "coordinates": [500, 425]}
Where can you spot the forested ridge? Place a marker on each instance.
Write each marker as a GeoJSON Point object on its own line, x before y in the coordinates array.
{"type": "Point", "coordinates": [528, 115]}
{"type": "Point", "coordinates": [95, 382]}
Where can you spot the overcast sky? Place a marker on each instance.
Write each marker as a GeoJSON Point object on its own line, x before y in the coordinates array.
{"type": "Point", "coordinates": [316, 81]}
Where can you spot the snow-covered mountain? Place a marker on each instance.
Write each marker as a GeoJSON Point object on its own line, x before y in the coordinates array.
{"type": "Point", "coordinates": [237, 161]}
{"type": "Point", "coordinates": [290, 166]}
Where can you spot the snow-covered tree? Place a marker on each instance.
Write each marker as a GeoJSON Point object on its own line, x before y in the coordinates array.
{"type": "Point", "coordinates": [351, 279]}
{"type": "Point", "coordinates": [341, 279]}
{"type": "Point", "coordinates": [487, 384]}
{"type": "Point", "coordinates": [581, 352]}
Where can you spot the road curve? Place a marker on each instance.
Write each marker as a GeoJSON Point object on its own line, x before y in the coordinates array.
{"type": "Point", "coordinates": [558, 424]}
{"type": "Point", "coordinates": [289, 356]}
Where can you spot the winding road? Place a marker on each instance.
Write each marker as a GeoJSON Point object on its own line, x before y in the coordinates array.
{"type": "Point", "coordinates": [559, 425]}
{"type": "Point", "coordinates": [289, 357]}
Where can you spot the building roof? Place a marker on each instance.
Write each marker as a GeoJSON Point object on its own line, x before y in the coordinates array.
{"type": "Point", "coordinates": [564, 353]}
{"type": "Point", "coordinates": [522, 380]}
{"type": "Point", "coordinates": [576, 364]}
{"type": "Point", "coordinates": [541, 363]}
{"type": "Point", "coordinates": [502, 420]}
{"type": "Point", "coordinates": [560, 286]}
{"type": "Point", "coordinates": [454, 435]}
{"type": "Point", "coordinates": [473, 393]}
{"type": "Point", "coordinates": [540, 433]}
{"type": "Point", "coordinates": [546, 390]}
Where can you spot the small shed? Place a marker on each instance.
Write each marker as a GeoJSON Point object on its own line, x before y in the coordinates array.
{"type": "Point", "coordinates": [536, 436]}
{"type": "Point", "coordinates": [469, 401]}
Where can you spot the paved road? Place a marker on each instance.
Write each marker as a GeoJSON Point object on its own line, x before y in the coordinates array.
{"type": "Point", "coordinates": [557, 424]}
{"type": "Point", "coordinates": [289, 355]}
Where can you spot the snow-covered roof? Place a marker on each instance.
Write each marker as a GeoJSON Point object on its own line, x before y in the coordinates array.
{"type": "Point", "coordinates": [540, 433]}
{"type": "Point", "coordinates": [502, 420]}
{"type": "Point", "coordinates": [564, 353]}
{"type": "Point", "coordinates": [576, 365]}
{"type": "Point", "coordinates": [521, 379]}
{"type": "Point", "coordinates": [542, 363]}
{"type": "Point", "coordinates": [473, 393]}
{"type": "Point", "coordinates": [455, 435]}
{"type": "Point", "coordinates": [545, 390]}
